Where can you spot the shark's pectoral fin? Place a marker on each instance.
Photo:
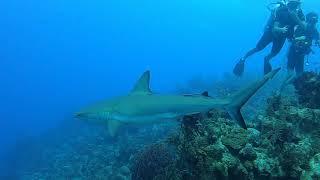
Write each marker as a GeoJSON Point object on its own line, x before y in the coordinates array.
{"type": "Point", "coordinates": [113, 127]}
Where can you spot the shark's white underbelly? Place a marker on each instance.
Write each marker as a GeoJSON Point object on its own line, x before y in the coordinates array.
{"type": "Point", "coordinates": [146, 119]}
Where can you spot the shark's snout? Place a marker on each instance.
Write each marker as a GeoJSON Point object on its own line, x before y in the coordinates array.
{"type": "Point", "coordinates": [80, 115]}
{"type": "Point", "coordinates": [89, 117]}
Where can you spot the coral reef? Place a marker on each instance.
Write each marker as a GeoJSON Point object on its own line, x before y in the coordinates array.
{"type": "Point", "coordinates": [308, 87]}
{"type": "Point", "coordinates": [314, 169]}
{"type": "Point", "coordinates": [282, 144]}
{"type": "Point", "coordinates": [152, 162]}
{"type": "Point", "coordinates": [79, 151]}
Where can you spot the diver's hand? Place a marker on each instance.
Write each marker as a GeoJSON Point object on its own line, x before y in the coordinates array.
{"type": "Point", "coordinates": [280, 30]}
{"type": "Point", "coordinates": [301, 38]}
{"type": "Point", "coordinates": [284, 30]}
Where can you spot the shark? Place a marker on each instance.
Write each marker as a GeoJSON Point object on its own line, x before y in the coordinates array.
{"type": "Point", "coordinates": [142, 106]}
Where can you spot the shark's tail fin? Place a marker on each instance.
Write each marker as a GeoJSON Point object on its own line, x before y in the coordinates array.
{"type": "Point", "coordinates": [240, 98]}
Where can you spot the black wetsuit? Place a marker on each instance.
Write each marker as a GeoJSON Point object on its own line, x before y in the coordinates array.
{"type": "Point", "coordinates": [299, 49]}
{"type": "Point", "coordinates": [281, 15]}
{"type": "Point", "coordinates": [284, 18]}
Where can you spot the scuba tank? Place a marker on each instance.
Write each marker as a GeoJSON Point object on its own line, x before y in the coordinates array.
{"type": "Point", "coordinates": [273, 6]}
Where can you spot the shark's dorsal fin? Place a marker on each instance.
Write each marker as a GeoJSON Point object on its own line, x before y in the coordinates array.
{"type": "Point", "coordinates": [143, 84]}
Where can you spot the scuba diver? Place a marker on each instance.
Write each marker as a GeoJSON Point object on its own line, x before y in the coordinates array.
{"type": "Point", "coordinates": [300, 47]}
{"type": "Point", "coordinates": [280, 26]}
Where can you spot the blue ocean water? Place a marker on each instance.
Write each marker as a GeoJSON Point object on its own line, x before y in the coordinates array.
{"type": "Point", "coordinates": [58, 56]}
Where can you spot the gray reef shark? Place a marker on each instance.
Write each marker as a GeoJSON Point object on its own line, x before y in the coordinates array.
{"type": "Point", "coordinates": [142, 106]}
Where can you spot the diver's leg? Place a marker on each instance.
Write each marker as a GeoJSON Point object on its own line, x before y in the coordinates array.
{"type": "Point", "coordinates": [290, 69]}
{"type": "Point", "coordinates": [292, 59]}
{"type": "Point", "coordinates": [291, 66]}
{"type": "Point", "coordinates": [264, 41]}
{"type": "Point", "coordinates": [276, 48]}
{"type": "Point", "coordinates": [299, 64]}
{"type": "Point", "coordinates": [240, 66]}
{"type": "Point", "coordinates": [288, 80]}
{"type": "Point", "coordinates": [267, 65]}
{"type": "Point", "coordinates": [250, 53]}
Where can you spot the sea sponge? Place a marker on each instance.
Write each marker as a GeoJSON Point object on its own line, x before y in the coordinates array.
{"type": "Point", "coordinates": [227, 163]}
{"type": "Point", "coordinates": [216, 150]}
{"type": "Point", "coordinates": [254, 136]}
{"type": "Point", "coordinates": [277, 131]}
{"type": "Point", "coordinates": [236, 139]}
{"type": "Point", "coordinates": [229, 160]}
{"type": "Point", "coordinates": [309, 119]}
{"type": "Point", "coordinates": [294, 158]}
{"type": "Point", "coordinates": [248, 153]}
{"type": "Point", "coordinates": [266, 165]}
{"type": "Point", "coordinates": [314, 171]}
{"type": "Point", "coordinates": [315, 165]}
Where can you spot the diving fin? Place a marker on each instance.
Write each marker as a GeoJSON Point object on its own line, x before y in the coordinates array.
{"type": "Point", "coordinates": [239, 68]}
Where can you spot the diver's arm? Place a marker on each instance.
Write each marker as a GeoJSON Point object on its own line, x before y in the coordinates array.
{"type": "Point", "coordinates": [294, 15]}
{"type": "Point", "coordinates": [279, 30]}
{"type": "Point", "coordinates": [300, 38]}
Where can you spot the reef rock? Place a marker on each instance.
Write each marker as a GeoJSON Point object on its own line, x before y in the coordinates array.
{"type": "Point", "coordinates": [124, 170]}
{"type": "Point", "coordinates": [236, 139]}
{"type": "Point", "coordinates": [314, 172]}
{"type": "Point", "coordinates": [266, 165]}
{"type": "Point", "coordinates": [119, 177]}
{"type": "Point", "coordinates": [248, 153]}
{"type": "Point", "coordinates": [254, 136]}
{"type": "Point", "coordinates": [308, 88]}
{"type": "Point", "coordinates": [216, 150]}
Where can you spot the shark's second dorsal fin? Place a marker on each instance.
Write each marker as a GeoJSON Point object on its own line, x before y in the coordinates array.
{"type": "Point", "coordinates": [205, 93]}
{"type": "Point", "coordinates": [143, 84]}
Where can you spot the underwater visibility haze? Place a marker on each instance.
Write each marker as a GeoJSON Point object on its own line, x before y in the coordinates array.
{"type": "Point", "coordinates": [57, 57]}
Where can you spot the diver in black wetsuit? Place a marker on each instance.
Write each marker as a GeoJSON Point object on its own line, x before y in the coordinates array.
{"type": "Point", "coordinates": [301, 44]}
{"type": "Point", "coordinates": [279, 27]}
{"type": "Point", "coordinates": [300, 47]}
